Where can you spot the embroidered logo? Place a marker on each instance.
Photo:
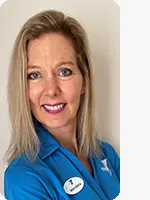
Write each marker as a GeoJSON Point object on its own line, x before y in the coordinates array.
{"type": "Point", "coordinates": [105, 168]}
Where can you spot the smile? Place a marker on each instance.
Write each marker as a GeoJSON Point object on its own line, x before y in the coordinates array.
{"type": "Point", "coordinates": [54, 109]}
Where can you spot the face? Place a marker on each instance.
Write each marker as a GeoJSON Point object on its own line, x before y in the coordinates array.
{"type": "Point", "coordinates": [55, 83]}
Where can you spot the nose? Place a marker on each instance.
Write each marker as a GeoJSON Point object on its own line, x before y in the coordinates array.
{"type": "Point", "coordinates": [52, 87]}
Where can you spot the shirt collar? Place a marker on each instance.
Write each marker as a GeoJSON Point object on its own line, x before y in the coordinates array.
{"type": "Point", "coordinates": [47, 142]}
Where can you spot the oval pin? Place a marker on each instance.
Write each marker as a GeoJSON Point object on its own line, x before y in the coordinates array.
{"type": "Point", "coordinates": [73, 185]}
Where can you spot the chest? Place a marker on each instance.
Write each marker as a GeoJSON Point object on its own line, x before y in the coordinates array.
{"type": "Point", "coordinates": [96, 182]}
{"type": "Point", "coordinates": [86, 163]}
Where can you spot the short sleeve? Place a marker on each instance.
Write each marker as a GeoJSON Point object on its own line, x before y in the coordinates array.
{"type": "Point", "coordinates": [113, 157]}
{"type": "Point", "coordinates": [20, 183]}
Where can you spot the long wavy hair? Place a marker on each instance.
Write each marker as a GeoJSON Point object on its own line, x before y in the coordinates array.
{"type": "Point", "coordinates": [24, 140]}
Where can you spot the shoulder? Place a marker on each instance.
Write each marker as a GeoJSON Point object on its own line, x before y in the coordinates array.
{"type": "Point", "coordinates": [111, 155]}
{"type": "Point", "coordinates": [21, 165]}
{"type": "Point", "coordinates": [20, 171]}
{"type": "Point", "coordinates": [18, 166]}
{"type": "Point", "coordinates": [107, 149]}
{"type": "Point", "coordinates": [22, 178]}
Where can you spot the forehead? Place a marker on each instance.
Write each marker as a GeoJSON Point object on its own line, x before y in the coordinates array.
{"type": "Point", "coordinates": [50, 47]}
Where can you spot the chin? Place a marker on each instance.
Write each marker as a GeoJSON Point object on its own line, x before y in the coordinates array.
{"type": "Point", "coordinates": [54, 124]}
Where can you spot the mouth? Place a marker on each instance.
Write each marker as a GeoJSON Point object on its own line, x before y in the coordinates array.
{"type": "Point", "coordinates": [54, 109]}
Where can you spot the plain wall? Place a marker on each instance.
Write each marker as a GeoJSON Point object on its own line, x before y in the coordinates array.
{"type": "Point", "coordinates": [100, 18]}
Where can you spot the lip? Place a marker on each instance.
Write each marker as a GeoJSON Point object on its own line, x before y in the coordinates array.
{"type": "Point", "coordinates": [54, 112]}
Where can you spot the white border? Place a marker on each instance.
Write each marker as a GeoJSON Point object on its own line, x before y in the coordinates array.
{"type": "Point", "coordinates": [1, 197]}
{"type": "Point", "coordinates": [135, 99]}
{"type": "Point", "coordinates": [1, 2]}
{"type": "Point", "coordinates": [117, 1]}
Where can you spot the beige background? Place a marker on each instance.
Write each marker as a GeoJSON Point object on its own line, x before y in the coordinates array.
{"type": "Point", "coordinates": [100, 18]}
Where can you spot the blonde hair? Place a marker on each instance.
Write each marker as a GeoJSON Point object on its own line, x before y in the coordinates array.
{"type": "Point", "coordinates": [24, 139]}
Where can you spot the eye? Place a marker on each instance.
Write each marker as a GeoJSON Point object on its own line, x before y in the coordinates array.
{"type": "Point", "coordinates": [33, 75]}
{"type": "Point", "coordinates": [65, 72]}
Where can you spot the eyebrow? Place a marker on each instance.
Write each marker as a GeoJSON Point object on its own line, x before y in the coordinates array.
{"type": "Point", "coordinates": [57, 65]}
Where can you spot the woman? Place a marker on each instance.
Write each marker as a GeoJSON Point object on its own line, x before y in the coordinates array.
{"type": "Point", "coordinates": [54, 151]}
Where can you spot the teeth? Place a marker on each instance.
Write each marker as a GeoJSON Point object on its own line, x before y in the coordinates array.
{"type": "Point", "coordinates": [54, 107]}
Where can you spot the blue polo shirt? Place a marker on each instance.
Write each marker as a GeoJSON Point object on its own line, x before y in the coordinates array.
{"type": "Point", "coordinates": [57, 174]}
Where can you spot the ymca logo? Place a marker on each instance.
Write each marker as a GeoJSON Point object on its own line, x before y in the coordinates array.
{"type": "Point", "coordinates": [105, 168]}
{"type": "Point", "coordinates": [70, 181]}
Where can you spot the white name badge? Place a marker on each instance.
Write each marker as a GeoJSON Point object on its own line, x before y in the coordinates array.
{"type": "Point", "coordinates": [73, 185]}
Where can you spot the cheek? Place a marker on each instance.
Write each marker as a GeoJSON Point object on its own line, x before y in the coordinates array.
{"type": "Point", "coordinates": [74, 92]}
{"type": "Point", "coordinates": [34, 94]}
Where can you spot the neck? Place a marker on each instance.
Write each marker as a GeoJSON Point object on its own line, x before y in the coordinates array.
{"type": "Point", "coordinates": [66, 136]}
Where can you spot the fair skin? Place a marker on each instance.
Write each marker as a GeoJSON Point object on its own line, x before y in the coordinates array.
{"type": "Point", "coordinates": [55, 85]}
